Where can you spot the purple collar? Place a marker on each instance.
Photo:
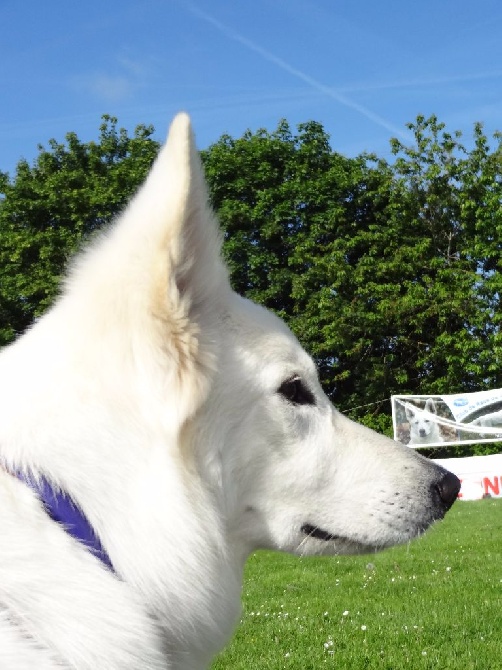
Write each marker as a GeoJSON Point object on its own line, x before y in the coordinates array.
{"type": "Point", "coordinates": [63, 510]}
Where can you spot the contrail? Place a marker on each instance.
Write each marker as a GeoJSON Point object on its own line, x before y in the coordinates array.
{"type": "Point", "coordinates": [427, 81]}
{"type": "Point", "coordinates": [279, 62]}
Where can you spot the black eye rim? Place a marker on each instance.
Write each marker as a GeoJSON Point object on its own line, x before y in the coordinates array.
{"type": "Point", "coordinates": [294, 391]}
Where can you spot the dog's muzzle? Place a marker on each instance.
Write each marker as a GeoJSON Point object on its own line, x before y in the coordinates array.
{"type": "Point", "coordinates": [443, 492]}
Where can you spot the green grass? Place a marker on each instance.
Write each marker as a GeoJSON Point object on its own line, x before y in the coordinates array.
{"type": "Point", "coordinates": [436, 603]}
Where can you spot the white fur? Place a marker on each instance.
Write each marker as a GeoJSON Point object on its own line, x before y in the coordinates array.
{"type": "Point", "coordinates": [424, 429]}
{"type": "Point", "coordinates": [149, 393]}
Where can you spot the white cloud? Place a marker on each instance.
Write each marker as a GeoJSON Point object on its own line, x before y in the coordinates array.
{"type": "Point", "coordinates": [109, 88]}
{"type": "Point", "coordinates": [124, 78]}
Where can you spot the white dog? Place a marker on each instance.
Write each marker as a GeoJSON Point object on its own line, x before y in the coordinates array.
{"type": "Point", "coordinates": [424, 429]}
{"type": "Point", "coordinates": [156, 428]}
{"type": "Point", "coordinates": [491, 420]}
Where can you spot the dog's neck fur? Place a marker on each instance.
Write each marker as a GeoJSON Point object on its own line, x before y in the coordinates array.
{"type": "Point", "coordinates": [128, 491]}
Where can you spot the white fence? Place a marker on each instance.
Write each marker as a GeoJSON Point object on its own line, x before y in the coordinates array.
{"type": "Point", "coordinates": [481, 476]}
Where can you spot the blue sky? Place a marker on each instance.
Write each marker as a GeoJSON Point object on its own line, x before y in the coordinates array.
{"type": "Point", "coordinates": [363, 69]}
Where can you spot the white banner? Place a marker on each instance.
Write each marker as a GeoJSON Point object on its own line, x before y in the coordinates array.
{"type": "Point", "coordinates": [437, 421]}
{"type": "Point", "coordinates": [481, 476]}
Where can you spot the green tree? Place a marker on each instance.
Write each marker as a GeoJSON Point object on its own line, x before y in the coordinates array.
{"type": "Point", "coordinates": [454, 198]}
{"type": "Point", "coordinates": [46, 211]}
{"type": "Point", "coordinates": [407, 299]}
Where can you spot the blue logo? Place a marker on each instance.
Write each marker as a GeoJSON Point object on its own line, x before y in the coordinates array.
{"type": "Point", "coordinates": [460, 402]}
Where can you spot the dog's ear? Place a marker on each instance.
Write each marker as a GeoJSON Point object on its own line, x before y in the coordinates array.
{"type": "Point", "coordinates": [430, 406]}
{"type": "Point", "coordinates": [161, 260]}
{"type": "Point", "coordinates": [175, 229]}
{"type": "Point", "coordinates": [155, 281]}
{"type": "Point", "coordinates": [410, 414]}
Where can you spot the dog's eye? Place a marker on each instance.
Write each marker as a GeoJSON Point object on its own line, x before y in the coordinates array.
{"type": "Point", "coordinates": [295, 391]}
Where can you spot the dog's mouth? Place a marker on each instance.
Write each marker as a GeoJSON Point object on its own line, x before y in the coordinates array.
{"type": "Point", "coordinates": [319, 533]}
{"type": "Point", "coordinates": [344, 544]}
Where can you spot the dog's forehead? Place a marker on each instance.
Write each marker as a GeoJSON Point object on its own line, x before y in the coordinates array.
{"type": "Point", "coordinates": [261, 334]}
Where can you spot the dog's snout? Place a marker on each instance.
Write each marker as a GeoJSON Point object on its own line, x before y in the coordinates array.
{"type": "Point", "coordinates": [448, 488]}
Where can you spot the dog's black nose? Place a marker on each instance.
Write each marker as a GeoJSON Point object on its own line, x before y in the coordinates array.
{"type": "Point", "coordinates": [448, 488]}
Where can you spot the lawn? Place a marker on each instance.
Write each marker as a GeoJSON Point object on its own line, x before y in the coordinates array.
{"type": "Point", "coordinates": [435, 603]}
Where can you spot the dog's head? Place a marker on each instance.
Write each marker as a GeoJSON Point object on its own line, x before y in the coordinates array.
{"type": "Point", "coordinates": [287, 469]}
{"type": "Point", "coordinates": [296, 474]}
{"type": "Point", "coordinates": [170, 367]}
{"type": "Point", "coordinates": [422, 425]}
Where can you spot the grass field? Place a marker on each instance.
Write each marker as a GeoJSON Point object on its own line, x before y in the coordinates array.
{"type": "Point", "coordinates": [436, 603]}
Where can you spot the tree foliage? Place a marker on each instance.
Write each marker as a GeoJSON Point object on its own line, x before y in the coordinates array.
{"type": "Point", "coordinates": [388, 272]}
